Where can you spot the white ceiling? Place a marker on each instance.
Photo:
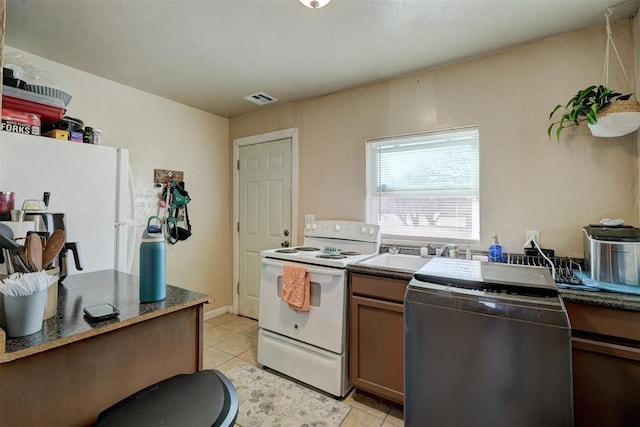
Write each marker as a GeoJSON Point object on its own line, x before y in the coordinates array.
{"type": "Point", "coordinates": [211, 53]}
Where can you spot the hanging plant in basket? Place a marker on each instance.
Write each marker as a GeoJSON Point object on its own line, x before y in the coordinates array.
{"type": "Point", "coordinates": [619, 118]}
{"type": "Point", "coordinates": [608, 113]}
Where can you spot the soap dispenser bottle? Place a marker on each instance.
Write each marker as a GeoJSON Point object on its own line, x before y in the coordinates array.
{"type": "Point", "coordinates": [153, 283]}
{"type": "Point", "coordinates": [495, 250]}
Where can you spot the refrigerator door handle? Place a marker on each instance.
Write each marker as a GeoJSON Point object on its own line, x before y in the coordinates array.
{"type": "Point", "coordinates": [132, 220]}
{"type": "Point", "coordinates": [125, 216]}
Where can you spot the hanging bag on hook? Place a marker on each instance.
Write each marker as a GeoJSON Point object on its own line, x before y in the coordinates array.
{"type": "Point", "coordinates": [179, 194]}
{"type": "Point", "coordinates": [178, 201]}
{"type": "Point", "coordinates": [185, 233]}
{"type": "Point", "coordinates": [174, 231]}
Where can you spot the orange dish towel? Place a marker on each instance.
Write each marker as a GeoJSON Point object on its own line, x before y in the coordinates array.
{"type": "Point", "coordinates": [296, 287]}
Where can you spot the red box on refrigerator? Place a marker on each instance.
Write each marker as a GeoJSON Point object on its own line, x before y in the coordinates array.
{"type": "Point", "coordinates": [20, 122]}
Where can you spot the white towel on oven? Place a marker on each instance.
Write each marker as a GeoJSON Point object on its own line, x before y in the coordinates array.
{"type": "Point", "coordinates": [296, 287]}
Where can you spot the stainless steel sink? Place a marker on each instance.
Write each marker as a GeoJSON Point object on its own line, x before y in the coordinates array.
{"type": "Point", "coordinates": [401, 262]}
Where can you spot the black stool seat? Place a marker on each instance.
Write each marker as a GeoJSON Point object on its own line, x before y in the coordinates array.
{"type": "Point", "coordinates": [205, 398]}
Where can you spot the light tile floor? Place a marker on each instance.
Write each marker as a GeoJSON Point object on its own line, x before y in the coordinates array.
{"type": "Point", "coordinates": [231, 340]}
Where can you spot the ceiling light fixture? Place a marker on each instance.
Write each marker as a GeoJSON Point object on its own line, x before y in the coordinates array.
{"type": "Point", "coordinates": [314, 4]}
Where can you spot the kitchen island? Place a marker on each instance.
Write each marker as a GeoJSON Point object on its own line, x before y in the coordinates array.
{"type": "Point", "coordinates": [72, 369]}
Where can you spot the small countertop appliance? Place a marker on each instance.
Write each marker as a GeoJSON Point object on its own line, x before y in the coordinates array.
{"type": "Point", "coordinates": [612, 253]}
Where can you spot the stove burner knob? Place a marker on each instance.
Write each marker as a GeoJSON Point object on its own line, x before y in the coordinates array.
{"type": "Point", "coordinates": [314, 226]}
{"type": "Point", "coordinates": [372, 232]}
{"type": "Point", "coordinates": [308, 227]}
{"type": "Point", "coordinates": [364, 230]}
{"type": "Point", "coordinates": [338, 227]}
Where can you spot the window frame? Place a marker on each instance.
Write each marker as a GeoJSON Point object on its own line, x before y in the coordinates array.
{"type": "Point", "coordinates": [419, 138]}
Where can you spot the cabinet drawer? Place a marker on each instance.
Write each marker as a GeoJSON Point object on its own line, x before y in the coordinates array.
{"type": "Point", "coordinates": [377, 287]}
{"type": "Point", "coordinates": [604, 321]}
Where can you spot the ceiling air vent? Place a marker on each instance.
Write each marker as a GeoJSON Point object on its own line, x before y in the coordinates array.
{"type": "Point", "coordinates": [260, 98]}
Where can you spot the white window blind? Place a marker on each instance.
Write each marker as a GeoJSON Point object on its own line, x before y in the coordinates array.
{"type": "Point", "coordinates": [425, 187]}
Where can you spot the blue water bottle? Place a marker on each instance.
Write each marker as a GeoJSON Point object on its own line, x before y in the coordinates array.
{"type": "Point", "coordinates": [153, 271]}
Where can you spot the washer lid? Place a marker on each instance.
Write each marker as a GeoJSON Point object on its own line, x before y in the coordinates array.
{"type": "Point", "coordinates": [517, 279]}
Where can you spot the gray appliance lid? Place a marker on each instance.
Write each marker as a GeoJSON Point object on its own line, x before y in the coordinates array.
{"type": "Point", "coordinates": [519, 279]}
{"type": "Point", "coordinates": [619, 233]}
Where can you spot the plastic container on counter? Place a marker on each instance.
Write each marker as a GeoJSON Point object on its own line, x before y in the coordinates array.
{"type": "Point", "coordinates": [7, 201]}
{"type": "Point", "coordinates": [49, 109]}
{"type": "Point", "coordinates": [97, 136]}
{"type": "Point", "coordinates": [88, 135]}
{"type": "Point", "coordinates": [495, 250]}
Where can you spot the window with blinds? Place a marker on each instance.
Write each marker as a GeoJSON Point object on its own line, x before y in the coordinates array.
{"type": "Point", "coordinates": [426, 186]}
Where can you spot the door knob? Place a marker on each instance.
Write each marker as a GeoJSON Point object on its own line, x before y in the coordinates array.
{"type": "Point", "coordinates": [286, 233]}
{"type": "Point", "coordinates": [285, 244]}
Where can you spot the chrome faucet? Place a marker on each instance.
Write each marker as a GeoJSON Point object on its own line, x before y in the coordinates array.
{"type": "Point", "coordinates": [445, 251]}
{"type": "Point", "coordinates": [427, 251]}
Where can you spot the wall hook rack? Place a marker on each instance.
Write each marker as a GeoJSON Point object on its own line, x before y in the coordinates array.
{"type": "Point", "coordinates": [164, 176]}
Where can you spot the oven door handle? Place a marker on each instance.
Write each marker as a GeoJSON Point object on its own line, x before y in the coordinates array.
{"type": "Point", "coordinates": [327, 271]}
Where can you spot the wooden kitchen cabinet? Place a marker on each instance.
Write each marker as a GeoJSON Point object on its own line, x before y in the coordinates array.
{"type": "Point", "coordinates": [606, 365]}
{"type": "Point", "coordinates": [376, 342]}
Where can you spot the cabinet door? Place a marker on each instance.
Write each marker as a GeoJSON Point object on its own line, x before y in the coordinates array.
{"type": "Point", "coordinates": [606, 383]}
{"type": "Point", "coordinates": [606, 365]}
{"type": "Point", "coordinates": [377, 347]}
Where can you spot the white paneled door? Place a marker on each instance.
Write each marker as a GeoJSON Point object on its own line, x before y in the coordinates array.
{"type": "Point", "coordinates": [264, 213]}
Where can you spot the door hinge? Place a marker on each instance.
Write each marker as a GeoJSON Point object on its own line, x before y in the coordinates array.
{"type": "Point", "coordinates": [238, 226]}
{"type": "Point", "coordinates": [238, 288]}
{"type": "Point", "coordinates": [238, 165]}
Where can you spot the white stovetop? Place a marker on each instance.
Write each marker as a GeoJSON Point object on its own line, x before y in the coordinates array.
{"type": "Point", "coordinates": [310, 257]}
{"type": "Point", "coordinates": [333, 236]}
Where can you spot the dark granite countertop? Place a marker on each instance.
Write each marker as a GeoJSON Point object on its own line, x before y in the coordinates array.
{"type": "Point", "coordinates": [602, 298]}
{"type": "Point", "coordinates": [598, 298]}
{"type": "Point", "coordinates": [83, 290]}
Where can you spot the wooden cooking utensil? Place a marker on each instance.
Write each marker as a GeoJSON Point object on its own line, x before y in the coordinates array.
{"type": "Point", "coordinates": [34, 251]}
{"type": "Point", "coordinates": [53, 247]}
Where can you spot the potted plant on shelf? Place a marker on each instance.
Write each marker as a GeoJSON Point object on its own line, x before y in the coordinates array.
{"type": "Point", "coordinates": [618, 115]}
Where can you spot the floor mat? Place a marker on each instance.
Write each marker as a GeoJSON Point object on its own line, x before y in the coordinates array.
{"type": "Point", "coordinates": [267, 399]}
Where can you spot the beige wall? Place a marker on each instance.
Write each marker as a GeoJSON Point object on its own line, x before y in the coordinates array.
{"type": "Point", "coordinates": [162, 134]}
{"type": "Point", "coordinates": [528, 182]}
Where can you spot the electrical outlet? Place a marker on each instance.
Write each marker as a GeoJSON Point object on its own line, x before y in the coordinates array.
{"type": "Point", "coordinates": [532, 235]}
{"type": "Point", "coordinates": [309, 218]}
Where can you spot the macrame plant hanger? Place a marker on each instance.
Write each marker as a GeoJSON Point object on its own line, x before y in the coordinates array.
{"type": "Point", "coordinates": [620, 117]}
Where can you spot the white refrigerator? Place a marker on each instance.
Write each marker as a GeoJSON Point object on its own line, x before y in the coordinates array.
{"type": "Point", "coordinates": [91, 184]}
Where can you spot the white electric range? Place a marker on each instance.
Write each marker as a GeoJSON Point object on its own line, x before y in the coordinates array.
{"type": "Point", "coordinates": [312, 346]}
